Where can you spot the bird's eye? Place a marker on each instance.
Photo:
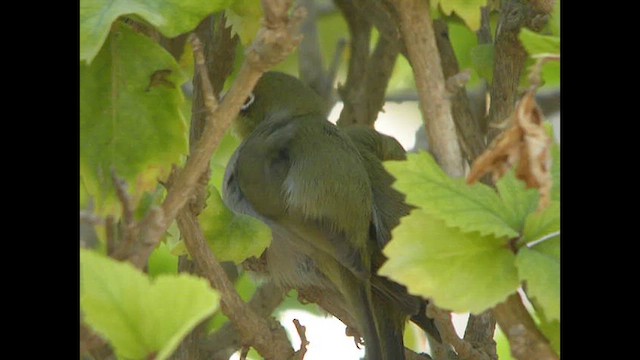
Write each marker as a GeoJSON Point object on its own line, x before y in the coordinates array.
{"type": "Point", "coordinates": [248, 102]}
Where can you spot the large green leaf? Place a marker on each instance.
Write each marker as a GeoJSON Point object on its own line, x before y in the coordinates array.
{"type": "Point", "coordinates": [463, 272]}
{"type": "Point", "coordinates": [130, 118]}
{"type": "Point", "coordinates": [170, 17]}
{"type": "Point", "coordinates": [470, 208]}
{"type": "Point", "coordinates": [231, 237]}
{"type": "Point", "coordinates": [541, 272]}
{"type": "Point", "coordinates": [141, 318]}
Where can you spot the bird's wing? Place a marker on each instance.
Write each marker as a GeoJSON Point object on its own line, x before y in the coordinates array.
{"type": "Point", "coordinates": [308, 177]}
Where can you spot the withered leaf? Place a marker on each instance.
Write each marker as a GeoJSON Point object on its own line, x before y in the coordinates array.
{"type": "Point", "coordinates": [525, 144]}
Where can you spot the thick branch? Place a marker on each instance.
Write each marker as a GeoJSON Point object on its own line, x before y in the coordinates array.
{"type": "Point", "coordinates": [527, 342]}
{"type": "Point", "coordinates": [364, 92]}
{"type": "Point", "coordinates": [276, 39]}
{"type": "Point", "coordinates": [419, 38]}
{"type": "Point", "coordinates": [353, 92]}
{"type": "Point", "coordinates": [269, 339]}
{"type": "Point", "coordinates": [479, 333]}
{"type": "Point", "coordinates": [449, 336]}
{"type": "Point", "coordinates": [226, 340]}
{"type": "Point", "coordinates": [510, 58]}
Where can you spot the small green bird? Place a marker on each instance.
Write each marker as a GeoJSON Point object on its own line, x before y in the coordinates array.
{"type": "Point", "coordinates": [329, 203]}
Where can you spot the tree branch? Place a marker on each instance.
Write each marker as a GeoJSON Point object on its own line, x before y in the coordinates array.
{"type": "Point", "coordinates": [468, 128]}
{"type": "Point", "coordinates": [443, 321]}
{"type": "Point", "coordinates": [526, 341]}
{"type": "Point", "coordinates": [479, 333]}
{"type": "Point", "coordinates": [419, 38]}
{"type": "Point", "coordinates": [353, 92]}
{"type": "Point", "coordinates": [364, 92]}
{"type": "Point", "coordinates": [510, 58]}
{"type": "Point", "coordinates": [268, 338]}
{"type": "Point", "coordinates": [275, 40]}
{"type": "Point", "coordinates": [226, 340]}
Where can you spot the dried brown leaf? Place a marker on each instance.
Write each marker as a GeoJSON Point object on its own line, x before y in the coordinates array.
{"type": "Point", "coordinates": [524, 143]}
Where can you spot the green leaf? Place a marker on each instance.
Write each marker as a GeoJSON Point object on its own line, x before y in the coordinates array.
{"type": "Point", "coordinates": [232, 237]}
{"type": "Point", "coordinates": [536, 43]}
{"type": "Point", "coordinates": [550, 247]}
{"type": "Point", "coordinates": [170, 17]}
{"type": "Point", "coordinates": [519, 201]}
{"type": "Point", "coordinates": [542, 275]}
{"type": "Point", "coordinates": [470, 208]}
{"type": "Point", "coordinates": [462, 272]}
{"type": "Point", "coordinates": [130, 118]}
{"type": "Point", "coordinates": [245, 19]}
{"type": "Point", "coordinates": [138, 317]}
{"type": "Point", "coordinates": [467, 10]}
{"type": "Point", "coordinates": [537, 225]}
{"type": "Point", "coordinates": [482, 58]}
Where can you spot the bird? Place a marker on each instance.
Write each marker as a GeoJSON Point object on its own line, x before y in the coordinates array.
{"type": "Point", "coordinates": [329, 203]}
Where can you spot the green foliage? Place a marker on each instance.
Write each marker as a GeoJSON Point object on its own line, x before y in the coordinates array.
{"type": "Point", "coordinates": [245, 16]}
{"type": "Point", "coordinates": [518, 201]}
{"type": "Point", "coordinates": [170, 17]}
{"type": "Point", "coordinates": [162, 261]}
{"type": "Point", "coordinates": [541, 273]}
{"type": "Point", "coordinates": [130, 118]}
{"type": "Point", "coordinates": [467, 10]}
{"type": "Point", "coordinates": [141, 318]}
{"type": "Point", "coordinates": [470, 208]}
{"type": "Point", "coordinates": [466, 246]}
{"type": "Point", "coordinates": [551, 330]}
{"type": "Point", "coordinates": [539, 224]}
{"type": "Point", "coordinates": [538, 45]}
{"type": "Point", "coordinates": [232, 237]}
{"type": "Point", "coordinates": [463, 272]}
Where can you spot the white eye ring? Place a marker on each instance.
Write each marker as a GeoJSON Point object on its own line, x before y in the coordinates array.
{"type": "Point", "coordinates": [248, 102]}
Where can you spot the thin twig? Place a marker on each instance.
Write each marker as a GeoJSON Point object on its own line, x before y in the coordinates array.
{"type": "Point", "coordinates": [129, 231]}
{"type": "Point", "coordinates": [302, 332]}
{"type": "Point", "coordinates": [209, 99]}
